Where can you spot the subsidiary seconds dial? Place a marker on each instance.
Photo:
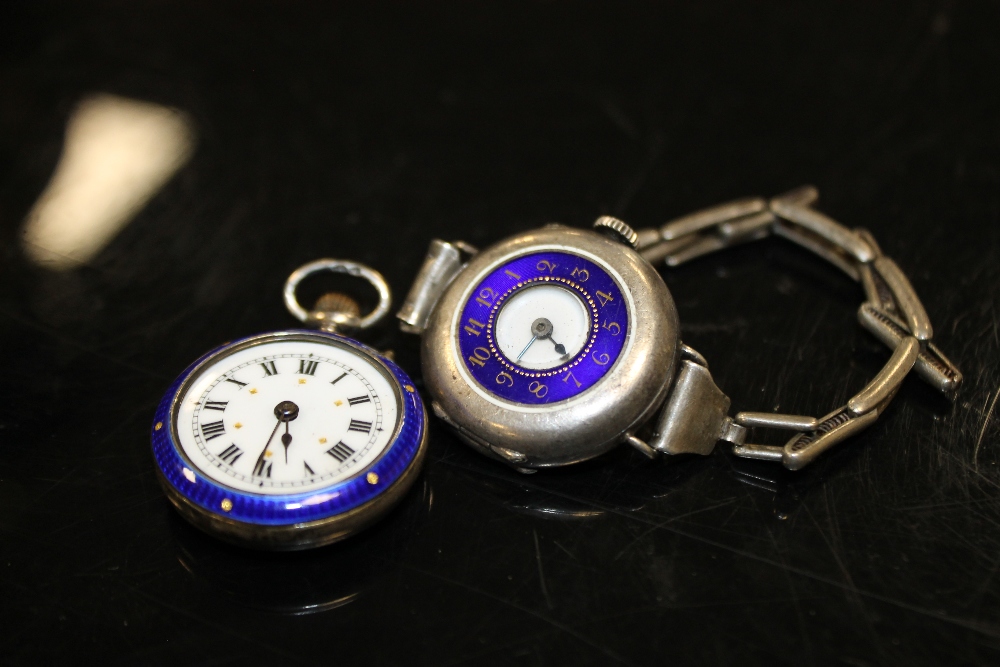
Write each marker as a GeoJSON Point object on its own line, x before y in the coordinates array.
{"type": "Point", "coordinates": [286, 417]}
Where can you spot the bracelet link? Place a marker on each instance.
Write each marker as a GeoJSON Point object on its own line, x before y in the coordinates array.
{"type": "Point", "coordinates": [889, 295]}
{"type": "Point", "coordinates": [706, 231]}
{"type": "Point", "coordinates": [837, 426]}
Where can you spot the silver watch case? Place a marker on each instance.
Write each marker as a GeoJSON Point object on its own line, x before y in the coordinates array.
{"type": "Point", "coordinates": [585, 426]}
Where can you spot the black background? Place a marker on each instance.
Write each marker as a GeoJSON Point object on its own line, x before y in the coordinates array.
{"type": "Point", "coordinates": [363, 131]}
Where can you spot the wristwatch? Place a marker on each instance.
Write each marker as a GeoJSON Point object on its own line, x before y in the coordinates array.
{"type": "Point", "coordinates": [555, 345]}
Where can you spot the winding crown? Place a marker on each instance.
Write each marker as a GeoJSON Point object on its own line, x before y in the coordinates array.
{"type": "Point", "coordinates": [617, 229]}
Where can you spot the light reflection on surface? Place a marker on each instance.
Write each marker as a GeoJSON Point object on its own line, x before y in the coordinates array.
{"type": "Point", "coordinates": [118, 154]}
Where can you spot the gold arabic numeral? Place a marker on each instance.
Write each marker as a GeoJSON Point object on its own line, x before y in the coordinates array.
{"type": "Point", "coordinates": [583, 275]}
{"type": "Point", "coordinates": [604, 298]}
{"type": "Point", "coordinates": [486, 296]}
{"type": "Point", "coordinates": [512, 274]}
{"type": "Point", "coordinates": [546, 265]}
{"type": "Point", "coordinates": [569, 376]}
{"type": "Point", "coordinates": [505, 378]}
{"type": "Point", "coordinates": [602, 359]}
{"type": "Point", "coordinates": [538, 389]}
{"type": "Point", "coordinates": [474, 327]}
{"type": "Point", "coordinates": [479, 356]}
{"type": "Point", "coordinates": [613, 327]}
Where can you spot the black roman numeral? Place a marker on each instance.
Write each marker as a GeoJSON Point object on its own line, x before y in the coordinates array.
{"type": "Point", "coordinates": [213, 430]}
{"type": "Point", "coordinates": [216, 405]}
{"type": "Point", "coordinates": [307, 367]}
{"type": "Point", "coordinates": [309, 470]}
{"type": "Point", "coordinates": [263, 468]}
{"type": "Point", "coordinates": [340, 451]}
{"type": "Point", "coordinates": [360, 426]}
{"type": "Point", "coordinates": [231, 454]}
{"type": "Point", "coordinates": [359, 399]}
{"type": "Point", "coordinates": [342, 376]}
{"type": "Point", "coordinates": [269, 368]}
{"type": "Point", "coordinates": [236, 382]}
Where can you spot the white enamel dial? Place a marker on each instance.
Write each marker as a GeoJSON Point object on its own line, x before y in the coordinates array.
{"type": "Point", "coordinates": [286, 416]}
{"type": "Point", "coordinates": [542, 326]}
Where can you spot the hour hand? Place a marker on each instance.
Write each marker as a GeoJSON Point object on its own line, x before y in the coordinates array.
{"type": "Point", "coordinates": [286, 439]}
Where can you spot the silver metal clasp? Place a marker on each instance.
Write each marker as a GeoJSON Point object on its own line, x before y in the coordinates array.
{"type": "Point", "coordinates": [695, 415]}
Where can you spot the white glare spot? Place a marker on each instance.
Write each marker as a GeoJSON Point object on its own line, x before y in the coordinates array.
{"type": "Point", "coordinates": [320, 498]}
{"type": "Point", "coordinates": [189, 475]}
{"type": "Point", "coordinates": [118, 154]}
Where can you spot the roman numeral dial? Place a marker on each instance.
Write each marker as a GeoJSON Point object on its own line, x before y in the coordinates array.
{"type": "Point", "coordinates": [360, 426]}
{"type": "Point", "coordinates": [213, 430]}
{"type": "Point", "coordinates": [290, 416]}
{"type": "Point", "coordinates": [340, 451]}
{"type": "Point", "coordinates": [231, 454]}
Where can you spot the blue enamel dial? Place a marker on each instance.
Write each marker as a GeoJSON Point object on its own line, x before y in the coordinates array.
{"type": "Point", "coordinates": [286, 430]}
{"type": "Point", "coordinates": [543, 327]}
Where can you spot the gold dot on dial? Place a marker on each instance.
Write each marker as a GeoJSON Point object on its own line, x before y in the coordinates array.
{"type": "Point", "coordinates": [237, 425]}
{"type": "Point", "coordinates": [322, 441]}
{"type": "Point", "coordinates": [338, 403]}
{"type": "Point", "coordinates": [227, 505]}
{"type": "Point", "coordinates": [302, 380]}
{"type": "Point", "coordinates": [372, 478]}
{"type": "Point", "coordinates": [158, 426]}
{"type": "Point", "coordinates": [253, 391]}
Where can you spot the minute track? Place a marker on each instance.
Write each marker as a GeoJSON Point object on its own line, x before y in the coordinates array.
{"type": "Point", "coordinates": [347, 380]}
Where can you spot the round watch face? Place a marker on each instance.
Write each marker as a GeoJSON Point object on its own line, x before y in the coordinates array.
{"type": "Point", "coordinates": [543, 327]}
{"type": "Point", "coordinates": [287, 427]}
{"type": "Point", "coordinates": [286, 416]}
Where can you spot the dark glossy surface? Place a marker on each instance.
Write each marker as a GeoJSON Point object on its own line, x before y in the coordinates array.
{"type": "Point", "coordinates": [362, 132]}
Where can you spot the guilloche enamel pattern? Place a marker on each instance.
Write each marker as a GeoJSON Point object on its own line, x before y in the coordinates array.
{"type": "Point", "coordinates": [291, 439]}
{"type": "Point", "coordinates": [576, 405]}
{"type": "Point", "coordinates": [603, 325]}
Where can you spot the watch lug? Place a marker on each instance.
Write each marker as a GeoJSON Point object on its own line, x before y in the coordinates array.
{"type": "Point", "coordinates": [694, 417]}
{"type": "Point", "coordinates": [443, 262]}
{"type": "Point", "coordinates": [509, 455]}
{"type": "Point", "coordinates": [641, 445]}
{"type": "Point", "coordinates": [692, 354]}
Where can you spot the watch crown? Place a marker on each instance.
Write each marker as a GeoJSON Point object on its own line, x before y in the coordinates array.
{"type": "Point", "coordinates": [333, 311]}
{"type": "Point", "coordinates": [618, 230]}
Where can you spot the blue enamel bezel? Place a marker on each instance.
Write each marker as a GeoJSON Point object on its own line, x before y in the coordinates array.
{"type": "Point", "coordinates": [290, 509]}
{"type": "Point", "coordinates": [502, 377]}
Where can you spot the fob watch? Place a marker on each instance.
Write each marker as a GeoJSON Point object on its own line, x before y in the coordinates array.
{"type": "Point", "coordinates": [292, 439]}
{"type": "Point", "coordinates": [558, 344]}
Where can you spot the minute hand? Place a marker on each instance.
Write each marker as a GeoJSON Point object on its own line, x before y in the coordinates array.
{"type": "Point", "coordinates": [533, 339]}
{"type": "Point", "coordinates": [260, 459]}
